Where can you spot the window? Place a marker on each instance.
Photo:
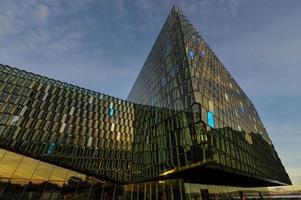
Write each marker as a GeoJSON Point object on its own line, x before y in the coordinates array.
{"type": "Point", "coordinates": [202, 53]}
{"type": "Point", "coordinates": [111, 112]}
{"type": "Point", "coordinates": [3, 95]}
{"type": "Point", "coordinates": [14, 120]}
{"type": "Point", "coordinates": [211, 107]}
{"type": "Point", "coordinates": [91, 100]}
{"type": "Point", "coordinates": [241, 107]}
{"type": "Point", "coordinates": [168, 48]}
{"type": "Point", "coordinates": [89, 143]}
{"type": "Point", "coordinates": [226, 96]}
{"type": "Point", "coordinates": [174, 70]}
{"type": "Point", "coordinates": [112, 127]}
{"type": "Point", "coordinates": [191, 54]}
{"type": "Point", "coordinates": [51, 148]}
{"type": "Point", "coordinates": [210, 119]}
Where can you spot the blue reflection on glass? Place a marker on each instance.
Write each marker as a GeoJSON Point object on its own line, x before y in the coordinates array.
{"type": "Point", "coordinates": [191, 54]}
{"type": "Point", "coordinates": [241, 107]}
{"type": "Point", "coordinates": [51, 148]}
{"type": "Point", "coordinates": [111, 112]}
{"type": "Point", "coordinates": [210, 119]}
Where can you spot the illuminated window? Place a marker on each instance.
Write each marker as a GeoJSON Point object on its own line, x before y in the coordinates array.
{"type": "Point", "coordinates": [210, 119]}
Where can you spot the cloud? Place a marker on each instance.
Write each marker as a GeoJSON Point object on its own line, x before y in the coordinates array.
{"type": "Point", "coordinates": [8, 20]}
{"type": "Point", "coordinates": [54, 39]}
{"type": "Point", "coordinates": [24, 21]}
{"type": "Point", "coordinates": [42, 13]}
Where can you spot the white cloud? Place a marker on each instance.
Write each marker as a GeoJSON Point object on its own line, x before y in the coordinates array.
{"type": "Point", "coordinates": [31, 25]}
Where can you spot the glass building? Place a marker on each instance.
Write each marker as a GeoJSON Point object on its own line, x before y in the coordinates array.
{"type": "Point", "coordinates": [186, 131]}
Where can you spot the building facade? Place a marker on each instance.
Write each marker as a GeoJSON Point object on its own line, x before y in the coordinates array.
{"type": "Point", "coordinates": [185, 128]}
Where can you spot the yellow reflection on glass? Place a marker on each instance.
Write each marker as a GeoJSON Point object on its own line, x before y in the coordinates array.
{"type": "Point", "coordinates": [2, 152]}
{"type": "Point", "coordinates": [58, 175]}
{"type": "Point", "coordinates": [42, 172]}
{"type": "Point", "coordinates": [26, 168]}
{"type": "Point", "coordinates": [8, 164]}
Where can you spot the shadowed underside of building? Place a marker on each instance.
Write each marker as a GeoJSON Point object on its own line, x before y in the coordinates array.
{"type": "Point", "coordinates": [187, 130]}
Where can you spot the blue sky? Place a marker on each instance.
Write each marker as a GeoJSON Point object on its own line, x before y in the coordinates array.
{"type": "Point", "coordinates": [102, 45]}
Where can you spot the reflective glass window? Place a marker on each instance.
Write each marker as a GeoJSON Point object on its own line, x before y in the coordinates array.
{"type": "Point", "coordinates": [210, 119]}
{"type": "Point", "coordinates": [191, 54]}
{"type": "Point", "coordinates": [111, 112]}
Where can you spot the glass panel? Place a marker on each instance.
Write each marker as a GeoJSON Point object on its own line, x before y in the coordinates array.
{"type": "Point", "coordinates": [203, 53]}
{"type": "Point", "coordinates": [3, 184]}
{"type": "Point", "coordinates": [111, 112]}
{"type": "Point", "coordinates": [210, 119]}
{"type": "Point", "coordinates": [51, 148]}
{"type": "Point", "coordinates": [191, 54]}
{"type": "Point", "coordinates": [2, 152]}
{"type": "Point", "coordinates": [9, 163]}
{"type": "Point", "coordinates": [25, 169]}
{"type": "Point", "coordinates": [42, 172]}
{"type": "Point", "coordinates": [58, 175]}
{"type": "Point", "coordinates": [13, 190]}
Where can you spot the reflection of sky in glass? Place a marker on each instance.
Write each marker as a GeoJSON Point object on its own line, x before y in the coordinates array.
{"type": "Point", "coordinates": [191, 54]}
{"type": "Point", "coordinates": [111, 112]}
{"type": "Point", "coordinates": [210, 119]}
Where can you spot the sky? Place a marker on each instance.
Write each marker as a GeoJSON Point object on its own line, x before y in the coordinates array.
{"type": "Point", "coordinates": [102, 45]}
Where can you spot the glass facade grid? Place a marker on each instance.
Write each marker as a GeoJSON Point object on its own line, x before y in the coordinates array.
{"type": "Point", "coordinates": [184, 112]}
